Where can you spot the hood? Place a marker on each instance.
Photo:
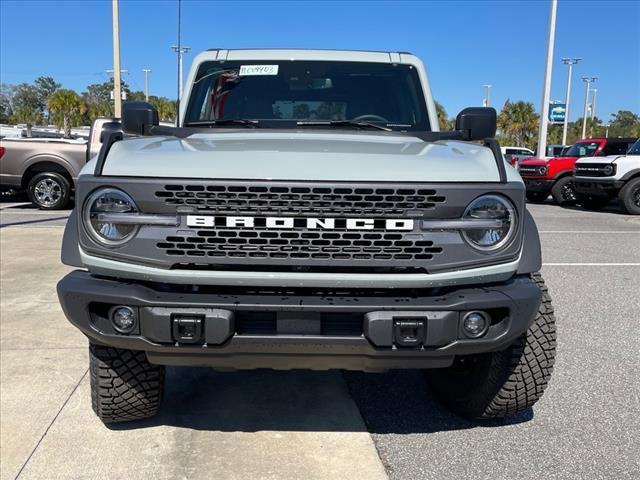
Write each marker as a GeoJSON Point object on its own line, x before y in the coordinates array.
{"type": "Point", "coordinates": [607, 159]}
{"type": "Point", "coordinates": [536, 162]}
{"type": "Point", "coordinates": [296, 155]}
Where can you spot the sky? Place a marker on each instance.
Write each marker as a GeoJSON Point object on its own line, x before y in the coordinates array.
{"type": "Point", "coordinates": [464, 45]}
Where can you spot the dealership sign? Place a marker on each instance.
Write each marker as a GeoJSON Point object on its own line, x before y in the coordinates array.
{"type": "Point", "coordinates": [557, 112]}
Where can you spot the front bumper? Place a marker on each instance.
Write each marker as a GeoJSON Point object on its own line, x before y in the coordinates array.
{"type": "Point", "coordinates": [538, 184]}
{"type": "Point", "coordinates": [298, 329]}
{"type": "Point", "coordinates": [597, 187]}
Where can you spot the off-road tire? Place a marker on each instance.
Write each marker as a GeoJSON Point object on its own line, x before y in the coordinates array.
{"type": "Point", "coordinates": [504, 383]}
{"type": "Point", "coordinates": [590, 202]}
{"type": "Point", "coordinates": [124, 385]}
{"type": "Point", "coordinates": [629, 196]}
{"type": "Point", "coordinates": [57, 198]}
{"type": "Point", "coordinates": [563, 192]}
{"type": "Point", "coordinates": [537, 197]}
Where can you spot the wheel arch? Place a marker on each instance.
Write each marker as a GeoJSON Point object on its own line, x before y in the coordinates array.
{"type": "Point", "coordinates": [46, 163]}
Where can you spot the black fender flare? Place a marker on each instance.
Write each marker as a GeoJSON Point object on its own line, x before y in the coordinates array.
{"type": "Point", "coordinates": [70, 254]}
{"type": "Point", "coordinates": [531, 258]}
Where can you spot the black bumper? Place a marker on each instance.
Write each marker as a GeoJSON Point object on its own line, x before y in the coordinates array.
{"type": "Point", "coordinates": [538, 184]}
{"type": "Point", "coordinates": [599, 188]}
{"type": "Point", "coordinates": [241, 330]}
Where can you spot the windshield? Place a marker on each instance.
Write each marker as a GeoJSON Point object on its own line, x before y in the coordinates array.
{"type": "Point", "coordinates": [635, 148]}
{"type": "Point", "coordinates": [582, 149]}
{"type": "Point", "coordinates": [278, 94]}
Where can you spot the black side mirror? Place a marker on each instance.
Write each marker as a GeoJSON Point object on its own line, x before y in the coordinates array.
{"type": "Point", "coordinates": [478, 122]}
{"type": "Point", "coordinates": [138, 117]}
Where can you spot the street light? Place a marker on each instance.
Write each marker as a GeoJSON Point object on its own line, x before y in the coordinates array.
{"type": "Point", "coordinates": [588, 81]}
{"type": "Point", "coordinates": [146, 71]}
{"type": "Point", "coordinates": [485, 101]}
{"type": "Point", "coordinates": [571, 62]}
{"type": "Point", "coordinates": [593, 103]}
{"type": "Point", "coordinates": [117, 84]}
{"type": "Point", "coordinates": [546, 89]}
{"type": "Point", "coordinates": [180, 51]}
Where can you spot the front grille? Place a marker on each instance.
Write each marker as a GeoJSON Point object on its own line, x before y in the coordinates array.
{"type": "Point", "coordinates": [229, 243]}
{"type": "Point", "coordinates": [299, 200]}
{"type": "Point", "coordinates": [595, 170]}
{"type": "Point", "coordinates": [529, 171]}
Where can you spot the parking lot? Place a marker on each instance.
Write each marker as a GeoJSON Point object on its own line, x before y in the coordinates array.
{"type": "Point", "coordinates": [298, 424]}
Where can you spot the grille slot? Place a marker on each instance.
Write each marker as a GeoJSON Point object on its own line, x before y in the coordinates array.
{"type": "Point", "coordinates": [298, 245]}
{"type": "Point", "coordinates": [594, 170]}
{"type": "Point", "coordinates": [299, 200]}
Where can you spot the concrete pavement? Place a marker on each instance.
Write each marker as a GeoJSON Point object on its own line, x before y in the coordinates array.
{"type": "Point", "coordinates": [260, 424]}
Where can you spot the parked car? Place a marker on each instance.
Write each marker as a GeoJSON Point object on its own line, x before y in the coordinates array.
{"type": "Point", "coordinates": [367, 240]}
{"type": "Point", "coordinates": [597, 180]}
{"type": "Point", "coordinates": [555, 176]}
{"type": "Point", "coordinates": [47, 168]}
{"type": "Point", "coordinates": [514, 155]}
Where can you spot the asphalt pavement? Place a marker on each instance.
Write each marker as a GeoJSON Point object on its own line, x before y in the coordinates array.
{"type": "Point", "coordinates": [299, 424]}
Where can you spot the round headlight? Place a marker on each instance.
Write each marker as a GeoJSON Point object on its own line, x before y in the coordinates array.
{"type": "Point", "coordinates": [100, 216]}
{"type": "Point", "coordinates": [542, 170]}
{"type": "Point", "coordinates": [608, 170]}
{"type": "Point", "coordinates": [490, 207]}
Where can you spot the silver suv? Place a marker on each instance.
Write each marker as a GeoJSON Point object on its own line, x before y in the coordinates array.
{"type": "Point", "coordinates": [307, 213]}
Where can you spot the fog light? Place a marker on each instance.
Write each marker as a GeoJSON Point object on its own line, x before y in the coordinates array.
{"type": "Point", "coordinates": [475, 324]}
{"type": "Point", "coordinates": [123, 319]}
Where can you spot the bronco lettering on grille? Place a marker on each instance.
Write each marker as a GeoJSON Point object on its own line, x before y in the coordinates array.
{"type": "Point", "coordinates": [311, 223]}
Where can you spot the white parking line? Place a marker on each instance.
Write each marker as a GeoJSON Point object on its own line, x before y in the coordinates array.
{"type": "Point", "coordinates": [577, 264]}
{"type": "Point", "coordinates": [590, 231]}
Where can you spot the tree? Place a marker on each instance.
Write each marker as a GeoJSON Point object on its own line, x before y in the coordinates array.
{"type": "Point", "coordinates": [518, 124]}
{"type": "Point", "coordinates": [67, 108]}
{"type": "Point", "coordinates": [624, 124]}
{"type": "Point", "coordinates": [26, 106]}
{"type": "Point", "coordinates": [29, 116]}
{"type": "Point", "coordinates": [6, 98]}
{"type": "Point", "coordinates": [45, 86]}
{"type": "Point", "coordinates": [443, 119]}
{"type": "Point", "coordinates": [98, 101]}
{"type": "Point", "coordinates": [166, 108]}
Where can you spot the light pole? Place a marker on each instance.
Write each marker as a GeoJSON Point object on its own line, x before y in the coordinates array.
{"type": "Point", "coordinates": [486, 100]}
{"type": "Point", "coordinates": [146, 71]}
{"type": "Point", "coordinates": [180, 51]}
{"type": "Point", "coordinates": [587, 81]}
{"type": "Point", "coordinates": [117, 83]}
{"type": "Point", "coordinates": [571, 62]}
{"type": "Point", "coordinates": [546, 89]}
{"type": "Point", "coordinates": [593, 103]}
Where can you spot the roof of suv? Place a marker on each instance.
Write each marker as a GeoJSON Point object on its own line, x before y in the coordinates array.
{"type": "Point", "coordinates": [306, 54]}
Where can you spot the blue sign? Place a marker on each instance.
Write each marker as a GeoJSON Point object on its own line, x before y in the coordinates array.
{"type": "Point", "coordinates": [557, 112]}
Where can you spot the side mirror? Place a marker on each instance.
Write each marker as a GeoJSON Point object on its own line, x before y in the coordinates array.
{"type": "Point", "coordinates": [138, 117]}
{"type": "Point", "coordinates": [479, 122]}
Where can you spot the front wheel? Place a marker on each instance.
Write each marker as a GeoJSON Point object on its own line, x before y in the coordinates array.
{"type": "Point", "coordinates": [124, 385]}
{"type": "Point", "coordinates": [563, 191]}
{"type": "Point", "coordinates": [630, 196]}
{"type": "Point", "coordinates": [499, 384]}
{"type": "Point", "coordinates": [49, 191]}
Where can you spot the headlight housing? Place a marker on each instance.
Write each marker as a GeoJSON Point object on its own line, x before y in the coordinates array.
{"type": "Point", "coordinates": [609, 170]}
{"type": "Point", "coordinates": [490, 207]}
{"type": "Point", "coordinates": [543, 170]}
{"type": "Point", "coordinates": [109, 202]}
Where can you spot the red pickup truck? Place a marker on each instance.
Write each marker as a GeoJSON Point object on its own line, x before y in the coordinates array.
{"type": "Point", "coordinates": [555, 176]}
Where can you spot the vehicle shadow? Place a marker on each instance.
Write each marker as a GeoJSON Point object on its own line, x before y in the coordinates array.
{"type": "Point", "coordinates": [250, 401]}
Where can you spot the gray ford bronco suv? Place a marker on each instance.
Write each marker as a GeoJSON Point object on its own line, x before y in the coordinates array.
{"type": "Point", "coordinates": [307, 213]}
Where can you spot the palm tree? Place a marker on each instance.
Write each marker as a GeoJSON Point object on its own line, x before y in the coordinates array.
{"type": "Point", "coordinates": [518, 124]}
{"type": "Point", "coordinates": [29, 116]}
{"type": "Point", "coordinates": [67, 108]}
{"type": "Point", "coordinates": [443, 119]}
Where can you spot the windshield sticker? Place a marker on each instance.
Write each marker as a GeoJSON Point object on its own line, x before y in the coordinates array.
{"type": "Point", "coordinates": [246, 70]}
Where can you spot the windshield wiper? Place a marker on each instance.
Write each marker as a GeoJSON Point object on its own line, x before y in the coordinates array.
{"type": "Point", "coordinates": [341, 123]}
{"type": "Point", "coordinates": [223, 122]}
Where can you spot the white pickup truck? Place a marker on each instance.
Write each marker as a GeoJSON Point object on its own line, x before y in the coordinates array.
{"type": "Point", "coordinates": [598, 180]}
